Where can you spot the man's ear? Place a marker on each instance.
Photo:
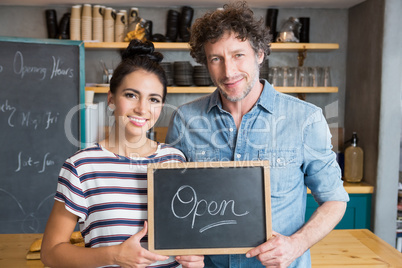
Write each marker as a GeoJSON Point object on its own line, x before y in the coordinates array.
{"type": "Point", "coordinates": [260, 56]}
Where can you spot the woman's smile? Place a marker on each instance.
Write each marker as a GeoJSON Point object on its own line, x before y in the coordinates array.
{"type": "Point", "coordinates": [137, 121]}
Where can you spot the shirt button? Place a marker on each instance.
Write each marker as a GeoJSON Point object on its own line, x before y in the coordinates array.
{"type": "Point", "coordinates": [231, 129]}
{"type": "Point", "coordinates": [203, 152]}
{"type": "Point", "coordinates": [238, 155]}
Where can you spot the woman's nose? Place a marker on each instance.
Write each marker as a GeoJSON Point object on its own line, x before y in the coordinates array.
{"type": "Point", "coordinates": [141, 107]}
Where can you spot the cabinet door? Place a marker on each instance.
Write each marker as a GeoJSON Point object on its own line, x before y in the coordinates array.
{"type": "Point", "coordinates": [357, 215]}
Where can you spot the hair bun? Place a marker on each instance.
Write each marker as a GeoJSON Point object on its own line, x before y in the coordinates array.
{"type": "Point", "coordinates": [136, 48]}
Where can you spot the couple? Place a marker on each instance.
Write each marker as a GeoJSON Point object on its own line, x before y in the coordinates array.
{"type": "Point", "coordinates": [103, 187]}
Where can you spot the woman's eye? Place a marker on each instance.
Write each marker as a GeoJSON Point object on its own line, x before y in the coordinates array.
{"type": "Point", "coordinates": [155, 100]}
{"type": "Point", "coordinates": [130, 95]}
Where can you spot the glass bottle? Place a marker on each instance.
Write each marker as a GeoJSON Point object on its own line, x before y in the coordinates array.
{"type": "Point", "coordinates": [353, 161]}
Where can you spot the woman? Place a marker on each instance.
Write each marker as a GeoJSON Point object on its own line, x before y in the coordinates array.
{"type": "Point", "coordinates": [104, 187]}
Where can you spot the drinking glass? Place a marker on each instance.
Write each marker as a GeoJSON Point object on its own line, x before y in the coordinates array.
{"type": "Point", "coordinates": [302, 76]}
{"type": "Point", "coordinates": [327, 77]}
{"type": "Point", "coordinates": [292, 76]}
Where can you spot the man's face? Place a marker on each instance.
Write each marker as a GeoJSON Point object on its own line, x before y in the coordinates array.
{"type": "Point", "coordinates": [233, 66]}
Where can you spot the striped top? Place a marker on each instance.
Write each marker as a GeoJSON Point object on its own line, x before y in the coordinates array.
{"type": "Point", "coordinates": [108, 193]}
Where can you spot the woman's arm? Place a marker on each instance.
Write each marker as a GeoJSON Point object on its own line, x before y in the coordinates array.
{"type": "Point", "coordinates": [58, 252]}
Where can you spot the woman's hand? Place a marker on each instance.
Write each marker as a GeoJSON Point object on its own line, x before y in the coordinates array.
{"type": "Point", "coordinates": [191, 261]}
{"type": "Point", "coordinates": [131, 254]}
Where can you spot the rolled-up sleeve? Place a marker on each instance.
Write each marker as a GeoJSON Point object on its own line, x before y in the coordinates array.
{"type": "Point", "coordinates": [322, 173]}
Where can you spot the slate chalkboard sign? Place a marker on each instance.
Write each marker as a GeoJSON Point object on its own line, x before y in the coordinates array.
{"type": "Point", "coordinates": [42, 85]}
{"type": "Point", "coordinates": [208, 207]}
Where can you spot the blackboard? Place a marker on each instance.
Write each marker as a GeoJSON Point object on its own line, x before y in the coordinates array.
{"type": "Point", "coordinates": [208, 207]}
{"type": "Point", "coordinates": [42, 85]}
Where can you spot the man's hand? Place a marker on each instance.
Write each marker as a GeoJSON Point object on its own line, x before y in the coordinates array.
{"type": "Point", "coordinates": [278, 251]}
{"type": "Point", "coordinates": [281, 251]}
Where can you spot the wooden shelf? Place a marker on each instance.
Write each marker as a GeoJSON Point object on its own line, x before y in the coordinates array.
{"type": "Point", "coordinates": [284, 47]}
{"type": "Point", "coordinates": [280, 47]}
{"type": "Point", "coordinates": [173, 90]}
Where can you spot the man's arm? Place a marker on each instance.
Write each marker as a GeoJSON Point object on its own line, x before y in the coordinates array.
{"type": "Point", "coordinates": [282, 250]}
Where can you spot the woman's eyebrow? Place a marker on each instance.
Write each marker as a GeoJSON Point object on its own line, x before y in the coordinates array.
{"type": "Point", "coordinates": [139, 93]}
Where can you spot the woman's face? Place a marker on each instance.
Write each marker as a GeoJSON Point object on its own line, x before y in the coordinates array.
{"type": "Point", "coordinates": [138, 103]}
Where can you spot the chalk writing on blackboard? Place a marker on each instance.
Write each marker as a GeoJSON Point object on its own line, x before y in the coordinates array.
{"type": "Point", "coordinates": [56, 69]}
{"type": "Point", "coordinates": [21, 69]}
{"type": "Point", "coordinates": [6, 107]}
{"type": "Point", "coordinates": [198, 208]}
{"type": "Point", "coordinates": [27, 119]}
{"type": "Point", "coordinates": [26, 161]}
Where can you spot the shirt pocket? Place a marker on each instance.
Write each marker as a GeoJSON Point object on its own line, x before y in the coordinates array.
{"type": "Point", "coordinates": [285, 172]}
{"type": "Point", "coordinates": [279, 158]}
{"type": "Point", "coordinates": [204, 155]}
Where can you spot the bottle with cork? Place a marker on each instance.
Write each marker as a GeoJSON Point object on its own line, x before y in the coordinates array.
{"type": "Point", "coordinates": [353, 161]}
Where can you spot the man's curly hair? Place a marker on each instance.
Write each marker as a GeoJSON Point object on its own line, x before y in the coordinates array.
{"type": "Point", "coordinates": [237, 18]}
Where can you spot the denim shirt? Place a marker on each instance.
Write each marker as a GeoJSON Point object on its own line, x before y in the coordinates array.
{"type": "Point", "coordinates": [292, 134]}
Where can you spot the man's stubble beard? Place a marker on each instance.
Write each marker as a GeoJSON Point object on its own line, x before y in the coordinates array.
{"type": "Point", "coordinates": [246, 91]}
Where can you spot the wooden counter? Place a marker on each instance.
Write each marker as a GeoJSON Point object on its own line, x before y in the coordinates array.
{"type": "Point", "coordinates": [355, 188]}
{"type": "Point", "coordinates": [354, 248]}
{"type": "Point", "coordinates": [14, 248]}
{"type": "Point", "coordinates": [341, 248]}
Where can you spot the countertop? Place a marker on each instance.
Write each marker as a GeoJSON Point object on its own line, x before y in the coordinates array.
{"type": "Point", "coordinates": [356, 188]}
{"type": "Point", "coordinates": [341, 248]}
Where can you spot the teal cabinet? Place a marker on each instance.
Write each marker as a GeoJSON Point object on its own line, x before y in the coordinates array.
{"type": "Point", "coordinates": [357, 215]}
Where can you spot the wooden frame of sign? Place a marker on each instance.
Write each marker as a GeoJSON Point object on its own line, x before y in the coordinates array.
{"type": "Point", "coordinates": [206, 208]}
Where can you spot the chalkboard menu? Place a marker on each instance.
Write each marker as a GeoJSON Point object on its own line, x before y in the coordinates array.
{"type": "Point", "coordinates": [209, 207]}
{"type": "Point", "coordinates": [42, 85]}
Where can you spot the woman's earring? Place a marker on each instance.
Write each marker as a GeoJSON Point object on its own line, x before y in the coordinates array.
{"type": "Point", "coordinates": [111, 107]}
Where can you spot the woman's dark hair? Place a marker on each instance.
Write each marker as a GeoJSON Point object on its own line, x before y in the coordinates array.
{"type": "Point", "coordinates": [139, 56]}
{"type": "Point", "coordinates": [237, 18]}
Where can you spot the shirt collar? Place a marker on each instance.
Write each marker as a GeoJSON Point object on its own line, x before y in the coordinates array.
{"type": "Point", "coordinates": [266, 100]}
{"type": "Point", "coordinates": [215, 100]}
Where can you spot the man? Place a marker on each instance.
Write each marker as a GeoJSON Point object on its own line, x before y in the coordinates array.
{"type": "Point", "coordinates": [246, 119]}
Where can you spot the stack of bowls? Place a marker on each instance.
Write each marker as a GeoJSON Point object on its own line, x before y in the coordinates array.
{"type": "Point", "coordinates": [183, 73]}
{"type": "Point", "coordinates": [168, 67]}
{"type": "Point", "coordinates": [201, 76]}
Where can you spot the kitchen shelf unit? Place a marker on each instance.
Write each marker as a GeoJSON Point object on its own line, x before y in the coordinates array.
{"type": "Point", "coordinates": [301, 48]}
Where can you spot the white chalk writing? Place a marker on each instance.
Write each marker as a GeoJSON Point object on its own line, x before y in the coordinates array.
{"type": "Point", "coordinates": [28, 119]}
{"type": "Point", "coordinates": [45, 119]}
{"type": "Point", "coordinates": [28, 162]}
{"type": "Point", "coordinates": [21, 69]}
{"type": "Point", "coordinates": [186, 198]}
{"type": "Point", "coordinates": [6, 107]}
{"type": "Point", "coordinates": [57, 70]}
